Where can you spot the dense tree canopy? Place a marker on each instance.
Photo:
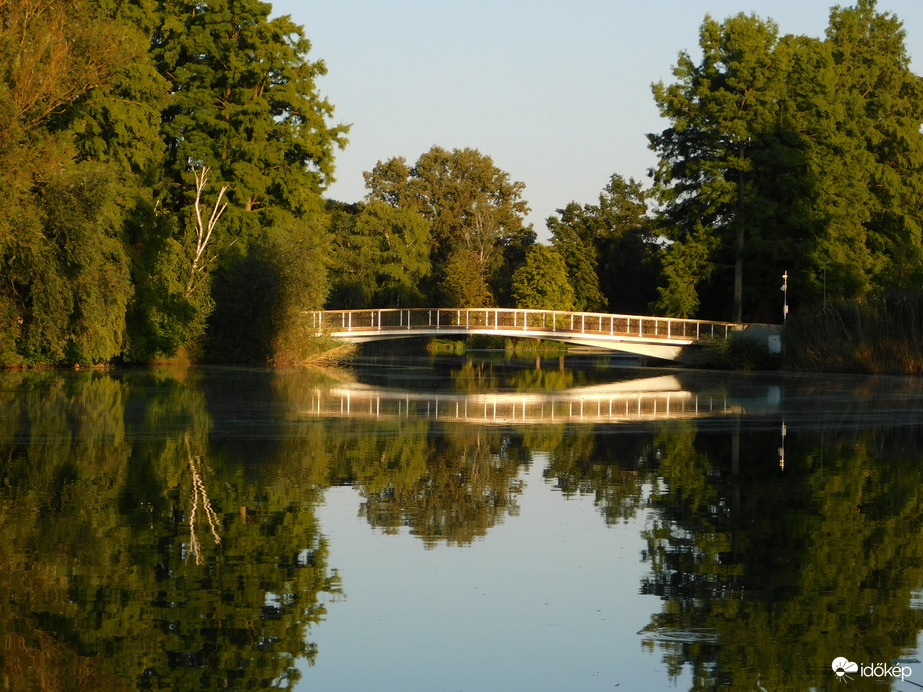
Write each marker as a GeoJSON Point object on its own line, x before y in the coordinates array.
{"type": "Point", "coordinates": [477, 214]}
{"type": "Point", "coordinates": [541, 282]}
{"type": "Point", "coordinates": [64, 265]}
{"type": "Point", "coordinates": [381, 256]}
{"type": "Point", "coordinates": [610, 249]}
{"type": "Point", "coordinates": [122, 126]}
{"type": "Point", "coordinates": [164, 164]}
{"type": "Point", "coordinates": [789, 153]}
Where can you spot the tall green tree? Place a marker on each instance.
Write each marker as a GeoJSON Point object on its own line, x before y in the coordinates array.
{"type": "Point", "coordinates": [244, 103]}
{"type": "Point", "coordinates": [477, 212]}
{"type": "Point", "coordinates": [610, 248]}
{"type": "Point", "coordinates": [577, 246]}
{"type": "Point", "coordinates": [381, 257]}
{"type": "Point", "coordinates": [541, 283]}
{"type": "Point", "coordinates": [464, 284]}
{"type": "Point", "coordinates": [62, 255]}
{"type": "Point", "coordinates": [880, 106]}
{"type": "Point", "coordinates": [718, 109]}
{"type": "Point", "coordinates": [790, 153]}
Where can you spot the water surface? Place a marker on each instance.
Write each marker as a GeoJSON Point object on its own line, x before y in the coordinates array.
{"type": "Point", "coordinates": [459, 524]}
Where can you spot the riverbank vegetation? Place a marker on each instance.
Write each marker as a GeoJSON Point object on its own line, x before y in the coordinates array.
{"type": "Point", "coordinates": [525, 348]}
{"type": "Point", "coordinates": [164, 169]}
{"type": "Point", "coordinates": [882, 335]}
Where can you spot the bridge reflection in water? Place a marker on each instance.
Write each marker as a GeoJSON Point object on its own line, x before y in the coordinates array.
{"type": "Point", "coordinates": [647, 399]}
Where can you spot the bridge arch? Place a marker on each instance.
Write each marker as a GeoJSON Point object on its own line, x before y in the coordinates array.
{"type": "Point", "coordinates": [657, 337]}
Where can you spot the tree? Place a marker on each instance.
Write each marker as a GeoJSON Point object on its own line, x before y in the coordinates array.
{"type": "Point", "coordinates": [285, 276]}
{"type": "Point", "coordinates": [610, 248]}
{"type": "Point", "coordinates": [464, 284]}
{"type": "Point", "coordinates": [64, 265]}
{"type": "Point", "coordinates": [477, 213]}
{"type": "Point", "coordinates": [244, 103]}
{"type": "Point", "coordinates": [718, 110]}
{"type": "Point", "coordinates": [541, 283]}
{"type": "Point", "coordinates": [382, 255]}
{"type": "Point", "coordinates": [790, 153]}
{"type": "Point", "coordinates": [881, 112]}
{"type": "Point", "coordinates": [580, 254]}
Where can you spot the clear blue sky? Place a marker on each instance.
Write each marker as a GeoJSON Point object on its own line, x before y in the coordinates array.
{"type": "Point", "coordinates": [556, 93]}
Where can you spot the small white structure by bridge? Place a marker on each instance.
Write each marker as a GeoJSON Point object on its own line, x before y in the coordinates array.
{"type": "Point", "coordinates": [657, 337]}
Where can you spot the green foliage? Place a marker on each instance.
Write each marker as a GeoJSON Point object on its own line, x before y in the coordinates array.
{"type": "Point", "coordinates": [262, 296]}
{"type": "Point", "coordinates": [381, 256]}
{"type": "Point", "coordinates": [445, 346]}
{"type": "Point", "coordinates": [66, 284]}
{"type": "Point", "coordinates": [610, 249]}
{"type": "Point", "coordinates": [158, 590]}
{"type": "Point", "coordinates": [476, 215]}
{"type": "Point", "coordinates": [686, 264]}
{"type": "Point", "coordinates": [790, 153]}
{"type": "Point", "coordinates": [580, 259]}
{"type": "Point", "coordinates": [749, 582]}
{"type": "Point", "coordinates": [447, 484]}
{"type": "Point", "coordinates": [541, 283]}
{"type": "Point", "coordinates": [464, 285]}
{"type": "Point", "coordinates": [244, 103]}
{"type": "Point", "coordinates": [110, 113]}
{"type": "Point", "coordinates": [166, 316]}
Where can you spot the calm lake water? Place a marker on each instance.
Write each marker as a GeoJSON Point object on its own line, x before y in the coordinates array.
{"type": "Point", "coordinates": [453, 524]}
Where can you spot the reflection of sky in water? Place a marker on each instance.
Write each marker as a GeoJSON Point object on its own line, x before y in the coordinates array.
{"type": "Point", "coordinates": [546, 597]}
{"type": "Point", "coordinates": [548, 600]}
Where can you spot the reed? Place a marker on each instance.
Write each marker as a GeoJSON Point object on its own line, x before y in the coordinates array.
{"type": "Point", "coordinates": [881, 335]}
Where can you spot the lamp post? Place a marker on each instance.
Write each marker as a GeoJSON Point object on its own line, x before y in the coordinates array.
{"type": "Point", "coordinates": [785, 295]}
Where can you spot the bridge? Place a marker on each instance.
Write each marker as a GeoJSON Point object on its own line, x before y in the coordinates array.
{"type": "Point", "coordinates": [657, 337]}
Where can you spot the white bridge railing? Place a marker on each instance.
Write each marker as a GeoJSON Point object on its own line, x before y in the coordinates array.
{"type": "Point", "coordinates": [528, 322]}
{"type": "Point", "coordinates": [576, 406]}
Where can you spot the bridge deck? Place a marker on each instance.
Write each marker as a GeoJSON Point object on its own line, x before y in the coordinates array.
{"type": "Point", "coordinates": [661, 337]}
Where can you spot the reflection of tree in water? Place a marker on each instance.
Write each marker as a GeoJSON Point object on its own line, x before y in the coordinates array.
{"type": "Point", "coordinates": [199, 496]}
{"type": "Point", "coordinates": [597, 461]}
{"type": "Point", "coordinates": [767, 575]}
{"type": "Point", "coordinates": [540, 379]}
{"type": "Point", "coordinates": [448, 483]}
{"type": "Point", "coordinates": [475, 377]}
{"type": "Point", "coordinates": [100, 594]}
{"type": "Point", "coordinates": [478, 376]}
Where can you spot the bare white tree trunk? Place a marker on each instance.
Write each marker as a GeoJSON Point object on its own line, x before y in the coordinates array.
{"type": "Point", "coordinates": [204, 229]}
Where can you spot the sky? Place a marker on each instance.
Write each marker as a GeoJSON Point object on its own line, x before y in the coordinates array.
{"type": "Point", "coordinates": [557, 93]}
